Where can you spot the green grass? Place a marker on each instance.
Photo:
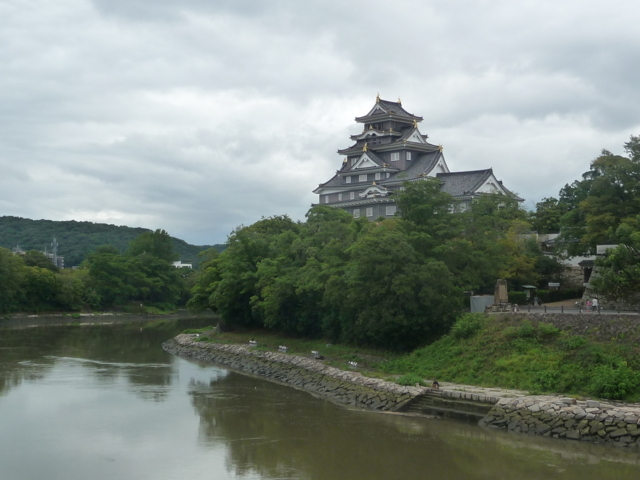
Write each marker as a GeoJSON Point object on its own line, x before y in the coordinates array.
{"type": "Point", "coordinates": [369, 360]}
{"type": "Point", "coordinates": [530, 356]}
{"type": "Point", "coordinates": [490, 351]}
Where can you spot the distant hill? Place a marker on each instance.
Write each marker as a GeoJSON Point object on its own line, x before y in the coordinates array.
{"type": "Point", "coordinates": [77, 239]}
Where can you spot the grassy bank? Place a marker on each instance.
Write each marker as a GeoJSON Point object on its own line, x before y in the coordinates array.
{"type": "Point", "coordinates": [489, 351]}
{"type": "Point", "coordinates": [500, 351]}
{"type": "Point", "coordinates": [369, 360]}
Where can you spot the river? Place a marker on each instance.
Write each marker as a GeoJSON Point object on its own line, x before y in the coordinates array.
{"type": "Point", "coordinates": [106, 402]}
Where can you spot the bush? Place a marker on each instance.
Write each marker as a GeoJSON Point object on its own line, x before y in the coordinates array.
{"type": "Point", "coordinates": [614, 381]}
{"type": "Point", "coordinates": [467, 325]}
{"type": "Point", "coordinates": [518, 298]}
{"type": "Point", "coordinates": [547, 330]}
{"type": "Point", "coordinates": [574, 342]}
{"type": "Point", "coordinates": [410, 379]}
{"type": "Point", "coordinates": [526, 329]}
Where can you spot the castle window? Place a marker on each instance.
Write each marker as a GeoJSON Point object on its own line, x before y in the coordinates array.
{"type": "Point", "coordinates": [362, 178]}
{"type": "Point", "coordinates": [339, 197]}
{"type": "Point", "coordinates": [356, 213]}
{"type": "Point", "coordinates": [377, 176]}
{"type": "Point", "coordinates": [352, 195]}
{"type": "Point", "coordinates": [390, 210]}
{"type": "Point", "coordinates": [347, 179]}
{"type": "Point", "coordinates": [326, 199]}
{"type": "Point", "coordinates": [395, 156]}
{"type": "Point", "coordinates": [369, 211]}
{"type": "Point", "coordinates": [408, 155]}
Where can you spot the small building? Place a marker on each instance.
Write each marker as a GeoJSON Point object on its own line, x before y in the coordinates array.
{"type": "Point", "coordinates": [179, 264]}
{"type": "Point", "coordinates": [391, 150]}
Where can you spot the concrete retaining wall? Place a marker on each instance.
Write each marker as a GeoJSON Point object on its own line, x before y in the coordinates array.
{"type": "Point", "coordinates": [345, 387]}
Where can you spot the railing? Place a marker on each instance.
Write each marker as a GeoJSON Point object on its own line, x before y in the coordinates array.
{"type": "Point", "coordinates": [606, 310]}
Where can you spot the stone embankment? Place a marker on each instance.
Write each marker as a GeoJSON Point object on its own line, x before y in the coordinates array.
{"type": "Point", "coordinates": [511, 410]}
{"type": "Point", "coordinates": [568, 418]}
{"type": "Point", "coordinates": [345, 387]}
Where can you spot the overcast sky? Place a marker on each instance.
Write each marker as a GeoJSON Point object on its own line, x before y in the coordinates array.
{"type": "Point", "coordinates": [197, 116]}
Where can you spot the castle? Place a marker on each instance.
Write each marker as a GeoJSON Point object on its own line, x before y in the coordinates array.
{"type": "Point", "coordinates": [390, 151]}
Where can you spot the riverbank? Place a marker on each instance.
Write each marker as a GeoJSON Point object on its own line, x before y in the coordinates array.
{"type": "Point", "coordinates": [517, 411]}
{"type": "Point", "coordinates": [102, 318]}
{"type": "Point", "coordinates": [345, 387]}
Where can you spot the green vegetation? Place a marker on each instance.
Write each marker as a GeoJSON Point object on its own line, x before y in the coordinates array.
{"type": "Point", "coordinates": [394, 283]}
{"type": "Point", "coordinates": [142, 280]}
{"type": "Point", "coordinates": [508, 352]}
{"type": "Point", "coordinates": [78, 239]}
{"type": "Point", "coordinates": [336, 355]}
{"type": "Point", "coordinates": [602, 209]}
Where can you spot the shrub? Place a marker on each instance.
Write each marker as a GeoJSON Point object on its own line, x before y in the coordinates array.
{"type": "Point", "coordinates": [526, 329]}
{"type": "Point", "coordinates": [410, 379]}
{"type": "Point", "coordinates": [574, 342]}
{"type": "Point", "coordinates": [518, 298]}
{"type": "Point", "coordinates": [467, 325]}
{"type": "Point", "coordinates": [614, 381]}
{"type": "Point", "coordinates": [547, 330]}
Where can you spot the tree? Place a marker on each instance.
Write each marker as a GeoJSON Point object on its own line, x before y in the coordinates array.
{"type": "Point", "coordinates": [391, 298]}
{"type": "Point", "coordinates": [607, 196]}
{"type": "Point", "coordinates": [158, 243]}
{"type": "Point", "coordinates": [108, 276]}
{"type": "Point", "coordinates": [34, 258]}
{"type": "Point", "coordinates": [618, 277]}
{"type": "Point", "coordinates": [11, 276]}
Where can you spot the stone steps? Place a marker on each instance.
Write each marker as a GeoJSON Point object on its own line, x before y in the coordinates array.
{"type": "Point", "coordinates": [434, 403]}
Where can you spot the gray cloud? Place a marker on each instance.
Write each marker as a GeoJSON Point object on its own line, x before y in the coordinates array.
{"type": "Point", "coordinates": [197, 116]}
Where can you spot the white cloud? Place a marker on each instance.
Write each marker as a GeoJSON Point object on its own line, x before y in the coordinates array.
{"type": "Point", "coordinates": [198, 116]}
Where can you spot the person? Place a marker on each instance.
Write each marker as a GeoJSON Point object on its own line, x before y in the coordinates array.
{"type": "Point", "coordinates": [435, 384]}
{"type": "Point", "coordinates": [594, 304]}
{"type": "Point", "coordinates": [589, 305]}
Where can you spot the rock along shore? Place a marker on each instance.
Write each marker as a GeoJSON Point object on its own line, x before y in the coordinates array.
{"type": "Point", "coordinates": [557, 417]}
{"type": "Point", "coordinates": [550, 416]}
{"type": "Point", "coordinates": [345, 387]}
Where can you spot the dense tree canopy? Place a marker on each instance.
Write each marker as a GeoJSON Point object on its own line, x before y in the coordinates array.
{"type": "Point", "coordinates": [602, 208]}
{"type": "Point", "coordinates": [393, 283]}
{"type": "Point", "coordinates": [589, 211]}
{"type": "Point", "coordinates": [108, 278]}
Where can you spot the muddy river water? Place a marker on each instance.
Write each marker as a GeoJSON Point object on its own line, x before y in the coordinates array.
{"type": "Point", "coordinates": [106, 402]}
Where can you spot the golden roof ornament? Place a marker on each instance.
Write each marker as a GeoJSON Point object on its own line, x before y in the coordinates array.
{"type": "Point", "coordinates": [373, 183]}
{"type": "Point", "coordinates": [440, 148]}
{"type": "Point", "coordinates": [399, 101]}
{"type": "Point", "coordinates": [415, 123]}
{"type": "Point", "coordinates": [345, 160]}
{"type": "Point", "coordinates": [366, 147]}
{"type": "Point", "coordinates": [371, 126]}
{"type": "Point", "coordinates": [378, 98]}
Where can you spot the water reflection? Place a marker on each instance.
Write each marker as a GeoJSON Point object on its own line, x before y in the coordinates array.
{"type": "Point", "coordinates": [279, 432]}
{"type": "Point", "coordinates": [107, 402]}
{"type": "Point", "coordinates": [140, 360]}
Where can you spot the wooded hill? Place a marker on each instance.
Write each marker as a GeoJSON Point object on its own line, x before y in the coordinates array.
{"type": "Point", "coordinates": [77, 239]}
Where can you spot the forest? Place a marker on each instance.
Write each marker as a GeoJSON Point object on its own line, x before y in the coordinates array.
{"type": "Point", "coordinates": [78, 239]}
{"type": "Point", "coordinates": [141, 276]}
{"type": "Point", "coordinates": [392, 283]}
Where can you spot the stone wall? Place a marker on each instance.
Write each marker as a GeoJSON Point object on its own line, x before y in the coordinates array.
{"type": "Point", "coordinates": [602, 327]}
{"type": "Point", "coordinates": [557, 417]}
{"type": "Point", "coordinates": [345, 387]}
